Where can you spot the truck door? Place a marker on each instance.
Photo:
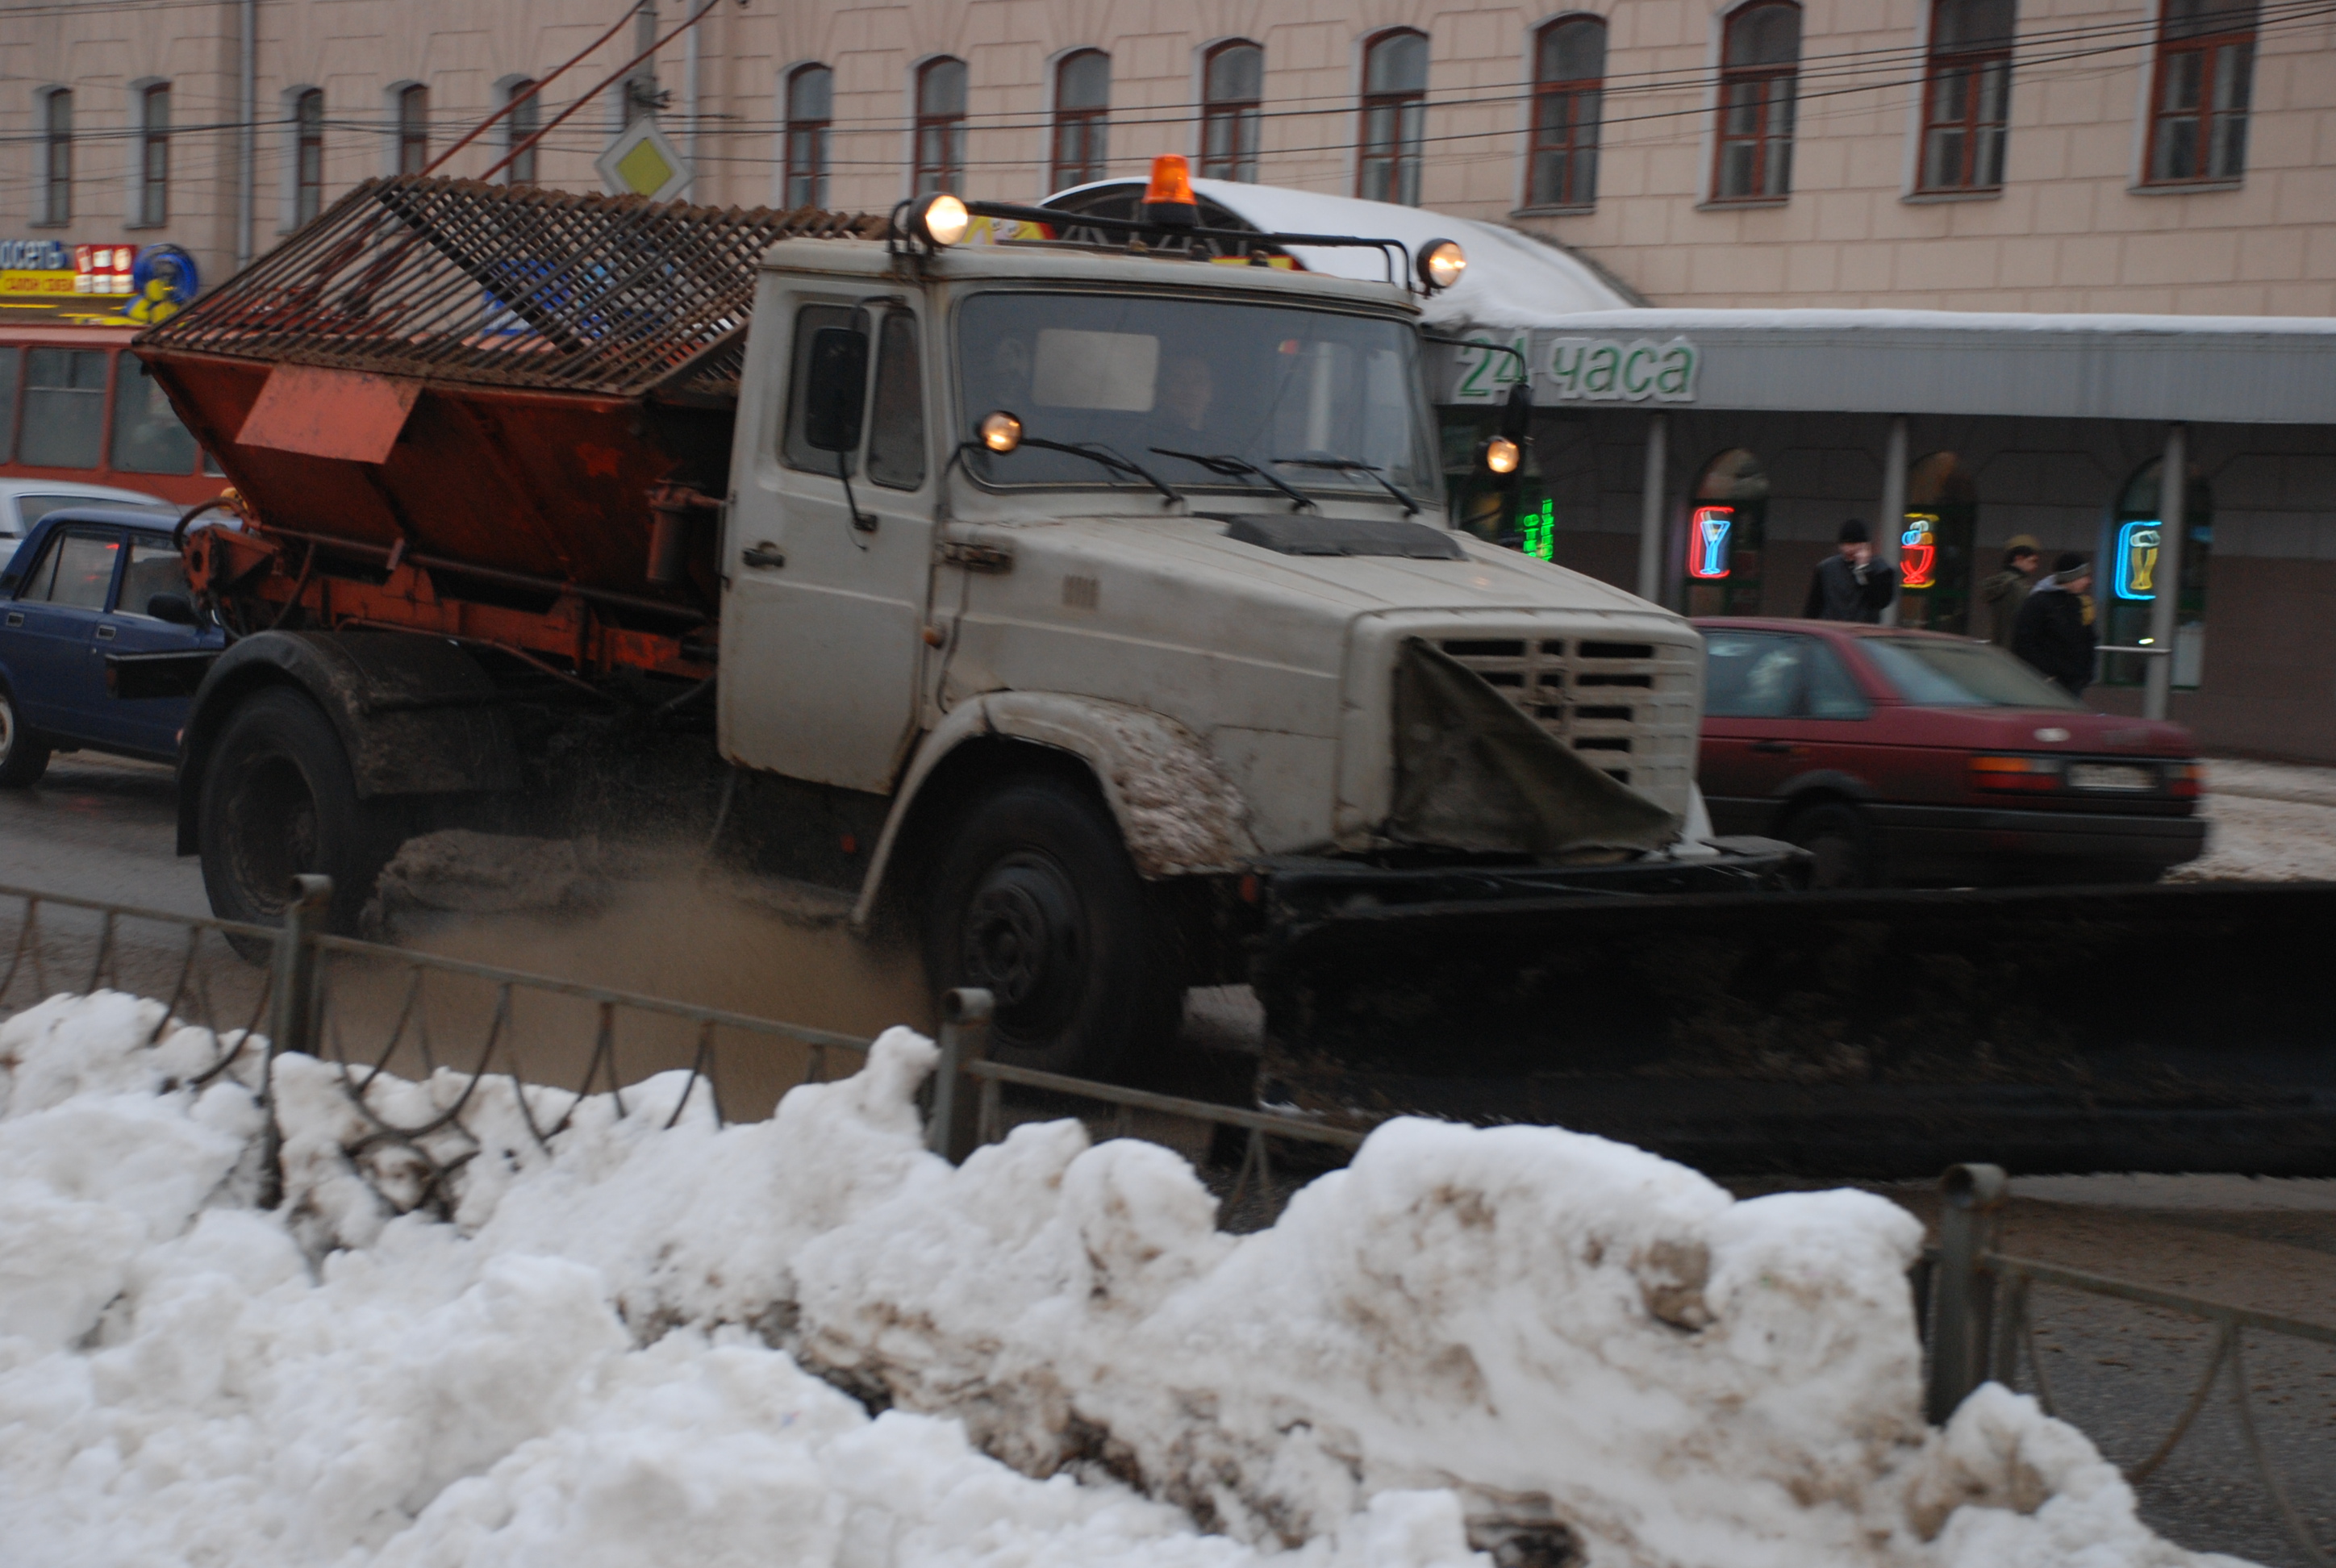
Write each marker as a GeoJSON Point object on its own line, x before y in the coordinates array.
{"type": "Point", "coordinates": [830, 568]}
{"type": "Point", "coordinates": [55, 620]}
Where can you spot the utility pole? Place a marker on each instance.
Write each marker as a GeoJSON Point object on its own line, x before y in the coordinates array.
{"type": "Point", "coordinates": [641, 92]}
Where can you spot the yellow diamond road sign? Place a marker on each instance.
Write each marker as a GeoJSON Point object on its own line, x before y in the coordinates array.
{"type": "Point", "coordinates": [642, 162]}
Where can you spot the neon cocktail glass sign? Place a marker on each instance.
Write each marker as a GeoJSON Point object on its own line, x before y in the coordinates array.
{"type": "Point", "coordinates": [1918, 550]}
{"type": "Point", "coordinates": [1707, 548]}
{"type": "Point", "coordinates": [2137, 559]}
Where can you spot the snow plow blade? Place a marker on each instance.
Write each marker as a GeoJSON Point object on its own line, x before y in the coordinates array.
{"type": "Point", "coordinates": [1849, 1034]}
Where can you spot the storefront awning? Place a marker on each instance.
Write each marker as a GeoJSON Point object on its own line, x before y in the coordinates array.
{"type": "Point", "coordinates": [2233, 369]}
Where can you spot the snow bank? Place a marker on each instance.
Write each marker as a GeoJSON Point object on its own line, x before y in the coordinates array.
{"type": "Point", "coordinates": [645, 1347]}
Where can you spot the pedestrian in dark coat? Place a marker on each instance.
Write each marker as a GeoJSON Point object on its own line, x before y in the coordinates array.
{"type": "Point", "coordinates": [1851, 585]}
{"type": "Point", "coordinates": [2051, 633]}
{"type": "Point", "coordinates": [2006, 591]}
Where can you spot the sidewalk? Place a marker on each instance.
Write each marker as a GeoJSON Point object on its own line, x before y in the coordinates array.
{"type": "Point", "coordinates": [2274, 822]}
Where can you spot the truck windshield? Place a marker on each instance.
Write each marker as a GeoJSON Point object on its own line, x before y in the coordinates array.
{"type": "Point", "coordinates": [1321, 400]}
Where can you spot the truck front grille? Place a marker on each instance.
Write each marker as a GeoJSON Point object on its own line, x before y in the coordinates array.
{"type": "Point", "coordinates": [1628, 707]}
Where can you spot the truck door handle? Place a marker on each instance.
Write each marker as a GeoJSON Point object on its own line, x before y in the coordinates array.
{"type": "Point", "coordinates": [765, 554]}
{"type": "Point", "coordinates": [1771, 748]}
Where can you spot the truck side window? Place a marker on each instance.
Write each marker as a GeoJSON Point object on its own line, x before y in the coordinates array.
{"type": "Point", "coordinates": [798, 453]}
{"type": "Point", "coordinates": [896, 432]}
{"type": "Point", "coordinates": [77, 571]}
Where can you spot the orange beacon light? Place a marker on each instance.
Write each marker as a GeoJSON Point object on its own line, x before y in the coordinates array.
{"type": "Point", "coordinates": [1168, 201]}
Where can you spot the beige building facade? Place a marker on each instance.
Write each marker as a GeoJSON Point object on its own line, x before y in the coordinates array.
{"type": "Point", "coordinates": [2096, 155]}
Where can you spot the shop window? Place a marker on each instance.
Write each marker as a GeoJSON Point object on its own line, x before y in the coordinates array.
{"type": "Point", "coordinates": [2127, 583]}
{"type": "Point", "coordinates": [64, 408]}
{"type": "Point", "coordinates": [810, 115]}
{"type": "Point", "coordinates": [1232, 85]}
{"type": "Point", "coordinates": [1936, 543]}
{"type": "Point", "coordinates": [1966, 95]}
{"type": "Point", "coordinates": [1727, 536]}
{"type": "Point", "coordinates": [11, 362]}
{"type": "Point", "coordinates": [307, 154]}
{"type": "Point", "coordinates": [2198, 103]}
{"type": "Point", "coordinates": [525, 119]}
{"type": "Point", "coordinates": [150, 202]}
{"type": "Point", "coordinates": [1082, 122]}
{"type": "Point", "coordinates": [1759, 70]}
{"type": "Point", "coordinates": [1569, 80]}
{"type": "Point", "coordinates": [1395, 118]}
{"type": "Point", "coordinates": [147, 435]}
{"type": "Point", "coordinates": [56, 156]}
{"type": "Point", "coordinates": [941, 125]}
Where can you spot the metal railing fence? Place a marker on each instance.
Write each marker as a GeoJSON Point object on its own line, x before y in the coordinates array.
{"type": "Point", "coordinates": [1980, 1324]}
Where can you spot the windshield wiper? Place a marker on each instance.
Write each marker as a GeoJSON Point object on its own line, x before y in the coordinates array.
{"type": "Point", "coordinates": [1232, 467]}
{"type": "Point", "coordinates": [1351, 465]}
{"type": "Point", "coordinates": [1095, 453]}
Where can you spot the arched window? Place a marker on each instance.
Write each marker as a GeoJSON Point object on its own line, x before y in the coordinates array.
{"type": "Point", "coordinates": [150, 208]}
{"type": "Point", "coordinates": [811, 114]}
{"type": "Point", "coordinates": [307, 154]}
{"type": "Point", "coordinates": [1966, 95]}
{"type": "Point", "coordinates": [1934, 545]}
{"type": "Point", "coordinates": [2127, 585]}
{"type": "Point", "coordinates": [1569, 76]}
{"type": "Point", "coordinates": [1232, 85]}
{"type": "Point", "coordinates": [1759, 62]}
{"type": "Point", "coordinates": [413, 128]}
{"type": "Point", "coordinates": [1395, 117]}
{"type": "Point", "coordinates": [1726, 535]}
{"type": "Point", "coordinates": [56, 156]}
{"type": "Point", "coordinates": [525, 119]}
{"type": "Point", "coordinates": [1082, 126]}
{"type": "Point", "coordinates": [941, 125]}
{"type": "Point", "coordinates": [2198, 104]}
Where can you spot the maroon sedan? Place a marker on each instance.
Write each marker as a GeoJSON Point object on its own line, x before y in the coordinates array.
{"type": "Point", "coordinates": [1908, 757]}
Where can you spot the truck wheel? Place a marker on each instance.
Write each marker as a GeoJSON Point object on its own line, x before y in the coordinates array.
{"type": "Point", "coordinates": [23, 755]}
{"type": "Point", "coordinates": [1837, 836]}
{"type": "Point", "coordinates": [278, 799]}
{"type": "Point", "coordinates": [1037, 900]}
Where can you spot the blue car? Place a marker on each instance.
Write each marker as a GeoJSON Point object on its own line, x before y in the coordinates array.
{"type": "Point", "coordinates": [91, 583]}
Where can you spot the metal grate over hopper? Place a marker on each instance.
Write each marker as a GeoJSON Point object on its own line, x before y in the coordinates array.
{"type": "Point", "coordinates": [460, 281]}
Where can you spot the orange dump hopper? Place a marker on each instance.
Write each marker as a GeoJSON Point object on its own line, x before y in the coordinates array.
{"type": "Point", "coordinates": [492, 376]}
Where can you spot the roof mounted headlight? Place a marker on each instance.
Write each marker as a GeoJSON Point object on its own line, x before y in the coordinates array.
{"type": "Point", "coordinates": [1441, 263]}
{"type": "Point", "coordinates": [940, 220]}
{"type": "Point", "coordinates": [1000, 431]}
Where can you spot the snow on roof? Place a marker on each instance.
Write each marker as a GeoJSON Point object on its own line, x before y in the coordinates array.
{"type": "Point", "coordinates": [1513, 280]}
{"type": "Point", "coordinates": [1657, 319]}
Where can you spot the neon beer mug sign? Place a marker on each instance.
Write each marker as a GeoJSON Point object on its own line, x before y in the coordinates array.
{"type": "Point", "coordinates": [1918, 550]}
{"type": "Point", "coordinates": [2136, 561]}
{"type": "Point", "coordinates": [1707, 548]}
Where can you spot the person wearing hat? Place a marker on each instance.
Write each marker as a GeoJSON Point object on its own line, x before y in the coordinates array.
{"type": "Point", "coordinates": [2053, 633]}
{"type": "Point", "coordinates": [1851, 585]}
{"type": "Point", "coordinates": [2008, 589]}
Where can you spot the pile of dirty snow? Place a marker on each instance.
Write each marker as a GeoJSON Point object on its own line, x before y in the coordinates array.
{"type": "Point", "coordinates": [806, 1341]}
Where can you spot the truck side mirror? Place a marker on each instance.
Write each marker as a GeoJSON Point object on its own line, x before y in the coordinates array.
{"type": "Point", "coordinates": [837, 386]}
{"type": "Point", "coordinates": [1516, 416]}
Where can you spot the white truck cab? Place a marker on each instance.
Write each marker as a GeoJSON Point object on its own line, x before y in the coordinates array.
{"type": "Point", "coordinates": [1105, 568]}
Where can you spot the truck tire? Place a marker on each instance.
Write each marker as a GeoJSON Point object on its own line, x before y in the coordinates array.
{"type": "Point", "coordinates": [1036, 902]}
{"type": "Point", "coordinates": [1837, 836]}
{"type": "Point", "coordinates": [278, 799]}
{"type": "Point", "coordinates": [24, 754]}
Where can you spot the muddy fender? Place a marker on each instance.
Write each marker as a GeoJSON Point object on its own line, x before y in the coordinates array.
{"type": "Point", "coordinates": [1177, 811]}
{"type": "Point", "coordinates": [417, 715]}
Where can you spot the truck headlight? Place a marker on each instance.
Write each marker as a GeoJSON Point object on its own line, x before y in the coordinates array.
{"type": "Point", "coordinates": [1441, 263]}
{"type": "Point", "coordinates": [1000, 431]}
{"type": "Point", "coordinates": [939, 219]}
